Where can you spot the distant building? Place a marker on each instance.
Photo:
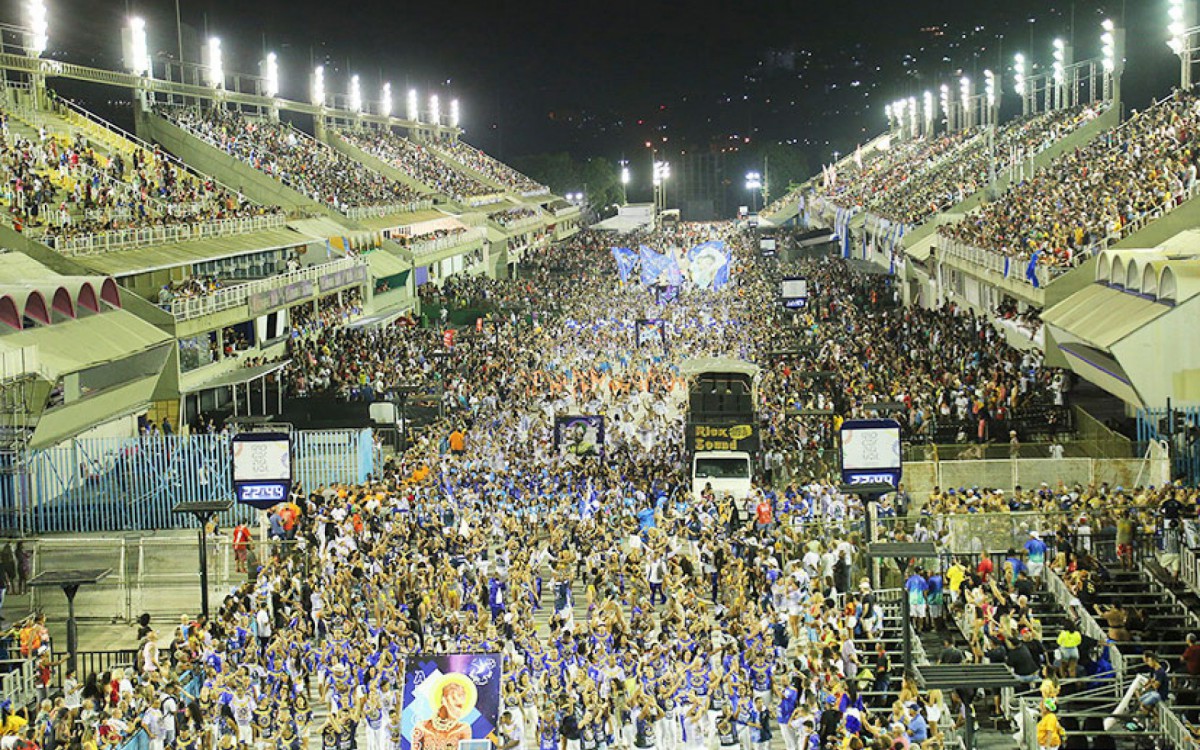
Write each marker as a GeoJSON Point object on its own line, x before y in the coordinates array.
{"type": "Point", "coordinates": [701, 186]}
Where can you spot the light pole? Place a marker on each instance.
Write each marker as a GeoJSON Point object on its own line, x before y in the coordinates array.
{"type": "Point", "coordinates": [964, 90]}
{"type": "Point", "coordinates": [944, 91]}
{"type": "Point", "coordinates": [929, 113]}
{"type": "Point", "coordinates": [754, 184]}
{"type": "Point", "coordinates": [625, 177]}
{"type": "Point", "coordinates": [1181, 15]}
{"type": "Point", "coordinates": [1020, 83]}
{"type": "Point", "coordinates": [1112, 53]}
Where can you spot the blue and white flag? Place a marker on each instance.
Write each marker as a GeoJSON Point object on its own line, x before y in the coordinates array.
{"type": "Point", "coordinates": [626, 261]}
{"type": "Point", "coordinates": [1031, 269]}
{"type": "Point", "coordinates": [1007, 266]}
{"type": "Point", "coordinates": [708, 265]}
{"type": "Point", "coordinates": [658, 268]}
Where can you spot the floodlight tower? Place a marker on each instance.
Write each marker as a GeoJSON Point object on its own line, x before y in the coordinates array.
{"type": "Point", "coordinates": [1112, 54]}
{"type": "Point", "coordinates": [355, 101]}
{"type": "Point", "coordinates": [136, 55]}
{"type": "Point", "coordinates": [964, 92]}
{"type": "Point", "coordinates": [1063, 97]}
{"type": "Point", "coordinates": [268, 69]}
{"type": "Point", "coordinates": [989, 98]}
{"type": "Point", "coordinates": [947, 107]}
{"type": "Point", "coordinates": [1181, 27]}
{"type": "Point", "coordinates": [317, 97]}
{"type": "Point", "coordinates": [214, 66]}
{"type": "Point", "coordinates": [35, 40]}
{"type": "Point", "coordinates": [911, 108]}
{"type": "Point", "coordinates": [929, 113]}
{"type": "Point", "coordinates": [1021, 83]}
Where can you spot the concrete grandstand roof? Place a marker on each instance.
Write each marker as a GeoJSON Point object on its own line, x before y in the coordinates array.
{"type": "Point", "coordinates": [30, 290]}
{"type": "Point", "coordinates": [141, 260]}
{"type": "Point", "coordinates": [82, 343]}
{"type": "Point", "coordinates": [1102, 316]}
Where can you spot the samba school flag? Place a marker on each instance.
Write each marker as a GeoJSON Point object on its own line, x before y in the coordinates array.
{"type": "Point", "coordinates": [626, 262]}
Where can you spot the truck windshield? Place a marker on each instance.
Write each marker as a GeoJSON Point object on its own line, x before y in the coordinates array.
{"type": "Point", "coordinates": [722, 468]}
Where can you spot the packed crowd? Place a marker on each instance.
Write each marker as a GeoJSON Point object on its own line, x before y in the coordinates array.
{"type": "Point", "coordinates": [1095, 193]}
{"type": "Point", "coordinates": [923, 193]}
{"type": "Point", "coordinates": [63, 187]}
{"type": "Point", "coordinates": [294, 158]}
{"type": "Point", "coordinates": [670, 620]}
{"type": "Point", "coordinates": [493, 169]}
{"type": "Point", "coordinates": [193, 286]}
{"type": "Point", "coordinates": [437, 234]}
{"type": "Point", "coordinates": [420, 163]}
{"type": "Point", "coordinates": [510, 216]}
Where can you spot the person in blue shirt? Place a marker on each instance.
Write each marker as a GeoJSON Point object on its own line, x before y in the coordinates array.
{"type": "Point", "coordinates": [918, 728]}
{"type": "Point", "coordinates": [645, 518]}
{"type": "Point", "coordinates": [934, 597]}
{"type": "Point", "coordinates": [1035, 548]}
{"type": "Point", "coordinates": [917, 586]}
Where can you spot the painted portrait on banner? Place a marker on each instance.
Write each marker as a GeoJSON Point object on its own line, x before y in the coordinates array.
{"type": "Point", "coordinates": [449, 699]}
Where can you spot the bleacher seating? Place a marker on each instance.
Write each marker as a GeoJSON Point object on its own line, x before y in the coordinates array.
{"type": "Point", "coordinates": [295, 159]}
{"type": "Point", "coordinates": [423, 166]}
{"type": "Point", "coordinates": [493, 169]}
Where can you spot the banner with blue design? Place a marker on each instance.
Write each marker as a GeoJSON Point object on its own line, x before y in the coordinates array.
{"type": "Point", "coordinates": [708, 265]}
{"type": "Point", "coordinates": [1031, 269]}
{"type": "Point", "coordinates": [626, 261]}
{"type": "Point", "coordinates": [448, 699]}
{"type": "Point", "coordinates": [659, 268]}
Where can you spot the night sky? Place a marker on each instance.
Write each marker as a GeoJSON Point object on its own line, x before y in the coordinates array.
{"type": "Point", "coordinates": [604, 78]}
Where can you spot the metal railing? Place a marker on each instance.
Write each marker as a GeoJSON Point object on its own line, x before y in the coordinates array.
{"type": "Point", "coordinates": [1087, 624]}
{"type": "Point", "coordinates": [422, 248]}
{"type": "Point", "coordinates": [125, 239]}
{"type": "Point", "coordinates": [517, 225]}
{"type": "Point", "coordinates": [18, 686]}
{"type": "Point", "coordinates": [1177, 733]}
{"type": "Point", "coordinates": [358, 213]}
{"type": "Point", "coordinates": [237, 296]}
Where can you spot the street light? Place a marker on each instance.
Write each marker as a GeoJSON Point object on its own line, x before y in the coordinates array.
{"type": "Point", "coordinates": [454, 113]}
{"type": "Point", "coordinates": [355, 95]}
{"type": "Point", "coordinates": [213, 66]}
{"type": "Point", "coordinates": [318, 86]}
{"type": "Point", "coordinates": [137, 55]}
{"type": "Point", "coordinates": [414, 112]}
{"type": "Point", "coordinates": [271, 76]}
{"type": "Point", "coordinates": [38, 21]}
{"type": "Point", "coordinates": [385, 100]}
{"type": "Point", "coordinates": [754, 185]}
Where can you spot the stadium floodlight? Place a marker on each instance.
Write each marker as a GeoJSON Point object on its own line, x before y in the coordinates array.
{"type": "Point", "coordinates": [912, 114]}
{"type": "Point", "coordinates": [1060, 56]}
{"type": "Point", "coordinates": [929, 111]}
{"type": "Point", "coordinates": [355, 95]}
{"type": "Point", "coordinates": [945, 96]}
{"type": "Point", "coordinates": [454, 113]}
{"type": "Point", "coordinates": [435, 110]}
{"type": "Point", "coordinates": [964, 90]}
{"type": "Point", "coordinates": [414, 112]}
{"type": "Point", "coordinates": [1108, 46]}
{"type": "Point", "coordinates": [1019, 73]}
{"type": "Point", "coordinates": [1177, 26]}
{"type": "Point", "coordinates": [753, 181]}
{"type": "Point", "coordinates": [38, 21]}
{"type": "Point", "coordinates": [989, 87]}
{"type": "Point", "coordinates": [887, 110]}
{"type": "Point", "coordinates": [138, 57]}
{"type": "Point", "coordinates": [214, 67]}
{"type": "Point", "coordinates": [662, 171]}
{"type": "Point", "coordinates": [317, 92]}
{"type": "Point", "coordinates": [385, 100]}
{"type": "Point", "coordinates": [270, 69]}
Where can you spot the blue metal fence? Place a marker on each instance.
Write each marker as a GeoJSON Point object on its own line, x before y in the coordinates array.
{"type": "Point", "coordinates": [1183, 438]}
{"type": "Point", "coordinates": [131, 484]}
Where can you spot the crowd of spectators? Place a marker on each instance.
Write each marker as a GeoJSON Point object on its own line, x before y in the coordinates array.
{"type": "Point", "coordinates": [292, 157]}
{"type": "Point", "coordinates": [420, 163]}
{"type": "Point", "coordinates": [493, 169]}
{"type": "Point", "coordinates": [924, 193]}
{"type": "Point", "coordinates": [62, 187]}
{"type": "Point", "coordinates": [510, 216]}
{"type": "Point", "coordinates": [194, 286]}
{"type": "Point", "coordinates": [1095, 193]}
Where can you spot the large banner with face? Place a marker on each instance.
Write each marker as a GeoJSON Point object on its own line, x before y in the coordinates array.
{"type": "Point", "coordinates": [579, 436]}
{"type": "Point", "coordinates": [448, 699]}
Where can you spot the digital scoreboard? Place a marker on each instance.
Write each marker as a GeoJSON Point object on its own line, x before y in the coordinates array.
{"type": "Point", "coordinates": [262, 468]}
{"type": "Point", "coordinates": [871, 451]}
{"type": "Point", "coordinates": [794, 292]}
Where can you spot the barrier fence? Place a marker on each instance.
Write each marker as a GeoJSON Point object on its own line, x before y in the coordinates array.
{"type": "Point", "coordinates": [131, 484]}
